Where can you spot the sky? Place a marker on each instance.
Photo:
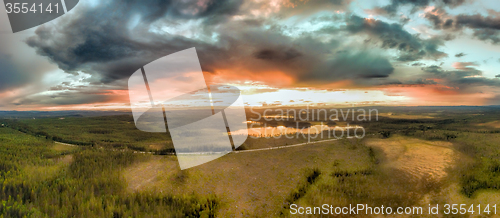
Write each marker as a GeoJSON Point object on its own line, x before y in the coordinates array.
{"type": "Point", "coordinates": [278, 52]}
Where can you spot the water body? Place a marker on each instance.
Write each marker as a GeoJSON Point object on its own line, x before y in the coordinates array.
{"type": "Point", "coordinates": [283, 130]}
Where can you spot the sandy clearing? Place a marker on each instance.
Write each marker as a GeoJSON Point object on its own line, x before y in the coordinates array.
{"type": "Point", "coordinates": [66, 159]}
{"type": "Point", "coordinates": [420, 158]}
{"type": "Point", "coordinates": [143, 173]}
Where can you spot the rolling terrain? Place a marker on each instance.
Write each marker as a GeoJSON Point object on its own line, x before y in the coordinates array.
{"type": "Point", "coordinates": [96, 166]}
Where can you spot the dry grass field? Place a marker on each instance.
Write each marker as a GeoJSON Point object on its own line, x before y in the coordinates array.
{"type": "Point", "coordinates": [397, 171]}
{"type": "Point", "coordinates": [249, 184]}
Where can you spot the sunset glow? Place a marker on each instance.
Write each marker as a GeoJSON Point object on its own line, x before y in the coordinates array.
{"type": "Point", "coordinates": [278, 52]}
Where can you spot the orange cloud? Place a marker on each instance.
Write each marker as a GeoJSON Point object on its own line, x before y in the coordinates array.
{"type": "Point", "coordinates": [438, 95]}
{"type": "Point", "coordinates": [274, 78]}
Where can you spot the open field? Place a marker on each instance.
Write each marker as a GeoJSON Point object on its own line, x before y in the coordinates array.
{"type": "Point", "coordinates": [255, 183]}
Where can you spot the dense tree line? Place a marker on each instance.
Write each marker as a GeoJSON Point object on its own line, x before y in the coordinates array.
{"type": "Point", "coordinates": [90, 186]}
{"type": "Point", "coordinates": [110, 131]}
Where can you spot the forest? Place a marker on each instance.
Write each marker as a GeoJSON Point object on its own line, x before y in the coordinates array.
{"type": "Point", "coordinates": [93, 166]}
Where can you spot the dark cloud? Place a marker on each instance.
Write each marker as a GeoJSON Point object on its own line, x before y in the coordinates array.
{"type": "Point", "coordinates": [304, 8]}
{"type": "Point", "coordinates": [485, 28]}
{"type": "Point", "coordinates": [488, 35]}
{"type": "Point", "coordinates": [68, 98]}
{"type": "Point", "coordinates": [417, 64]}
{"type": "Point", "coordinates": [393, 7]}
{"type": "Point", "coordinates": [110, 48]}
{"type": "Point", "coordinates": [393, 36]}
{"type": "Point", "coordinates": [433, 69]}
{"type": "Point", "coordinates": [439, 18]}
{"type": "Point", "coordinates": [251, 40]}
{"type": "Point", "coordinates": [416, 5]}
{"type": "Point", "coordinates": [411, 82]}
{"type": "Point", "coordinates": [9, 75]}
{"type": "Point", "coordinates": [448, 24]}
{"type": "Point", "coordinates": [466, 79]}
{"type": "Point", "coordinates": [421, 81]}
{"type": "Point", "coordinates": [284, 55]}
{"type": "Point", "coordinates": [306, 59]}
{"type": "Point", "coordinates": [152, 10]}
{"type": "Point", "coordinates": [100, 40]}
{"type": "Point", "coordinates": [113, 54]}
{"type": "Point", "coordinates": [435, 18]}
{"type": "Point", "coordinates": [478, 21]}
{"type": "Point", "coordinates": [453, 3]}
{"type": "Point", "coordinates": [362, 65]}
{"type": "Point", "coordinates": [480, 81]}
{"type": "Point", "coordinates": [14, 75]}
{"type": "Point", "coordinates": [22, 71]}
{"type": "Point", "coordinates": [452, 74]}
{"type": "Point", "coordinates": [67, 93]}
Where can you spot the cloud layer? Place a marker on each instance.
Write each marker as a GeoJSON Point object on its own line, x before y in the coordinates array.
{"type": "Point", "coordinates": [319, 44]}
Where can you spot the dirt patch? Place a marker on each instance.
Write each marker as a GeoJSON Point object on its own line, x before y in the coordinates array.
{"type": "Point", "coordinates": [143, 174]}
{"type": "Point", "coordinates": [66, 159]}
{"type": "Point", "coordinates": [420, 158]}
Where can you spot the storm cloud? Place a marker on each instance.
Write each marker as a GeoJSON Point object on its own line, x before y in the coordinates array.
{"type": "Point", "coordinates": [111, 47]}
{"type": "Point", "coordinates": [466, 77]}
{"type": "Point", "coordinates": [362, 65]}
{"type": "Point", "coordinates": [486, 28]}
{"type": "Point", "coordinates": [393, 36]}
{"type": "Point", "coordinates": [97, 41]}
